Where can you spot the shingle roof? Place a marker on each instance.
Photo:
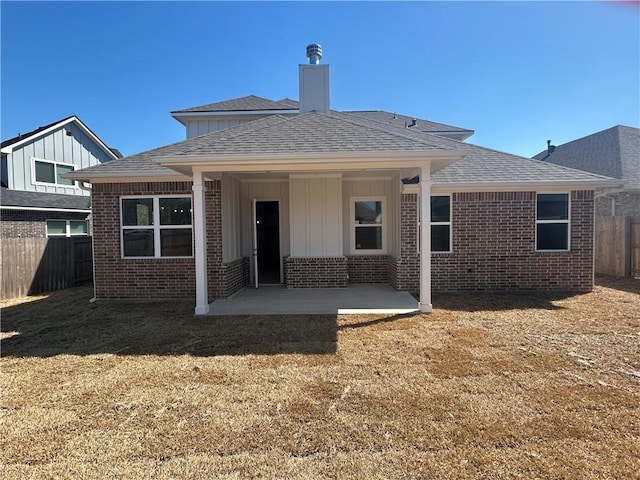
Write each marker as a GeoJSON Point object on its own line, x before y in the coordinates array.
{"type": "Point", "coordinates": [22, 136]}
{"type": "Point", "coordinates": [344, 132]}
{"type": "Point", "coordinates": [614, 152]}
{"type": "Point", "coordinates": [306, 133]}
{"type": "Point", "coordinates": [484, 165]}
{"type": "Point", "coordinates": [250, 102]}
{"type": "Point", "coordinates": [403, 121]}
{"type": "Point", "coordinates": [19, 198]}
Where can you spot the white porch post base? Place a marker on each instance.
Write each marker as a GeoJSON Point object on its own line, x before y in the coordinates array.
{"type": "Point", "coordinates": [425, 307]}
{"type": "Point", "coordinates": [202, 309]}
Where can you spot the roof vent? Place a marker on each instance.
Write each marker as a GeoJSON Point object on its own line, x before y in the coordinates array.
{"type": "Point", "coordinates": [550, 148]}
{"type": "Point", "coordinates": [314, 53]}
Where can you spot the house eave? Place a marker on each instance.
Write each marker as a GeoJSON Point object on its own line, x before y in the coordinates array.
{"type": "Point", "coordinates": [128, 177]}
{"type": "Point", "coordinates": [46, 209]}
{"type": "Point", "coordinates": [182, 117]}
{"type": "Point", "coordinates": [316, 161]}
{"type": "Point", "coordinates": [441, 187]}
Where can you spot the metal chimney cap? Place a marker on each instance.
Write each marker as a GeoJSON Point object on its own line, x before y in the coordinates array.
{"type": "Point", "coordinates": [314, 53]}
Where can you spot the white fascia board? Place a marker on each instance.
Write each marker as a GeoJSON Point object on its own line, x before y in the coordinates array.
{"type": "Point", "coordinates": [176, 177]}
{"type": "Point", "coordinates": [318, 162]}
{"type": "Point", "coordinates": [511, 186]}
{"type": "Point", "coordinates": [45, 209]}
{"type": "Point", "coordinates": [83, 127]}
{"type": "Point", "coordinates": [228, 113]}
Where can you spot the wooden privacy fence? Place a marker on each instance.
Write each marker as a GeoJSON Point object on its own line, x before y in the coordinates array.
{"type": "Point", "coordinates": [617, 246]}
{"type": "Point", "coordinates": [37, 265]}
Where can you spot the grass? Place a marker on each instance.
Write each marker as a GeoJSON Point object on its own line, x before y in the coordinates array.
{"type": "Point", "coordinates": [488, 386]}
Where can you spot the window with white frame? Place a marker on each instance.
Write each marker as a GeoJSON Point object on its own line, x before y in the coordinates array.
{"type": "Point", "coordinates": [440, 223]}
{"type": "Point", "coordinates": [46, 171]}
{"type": "Point", "coordinates": [156, 226]}
{"type": "Point", "coordinates": [67, 228]}
{"type": "Point", "coordinates": [368, 216]}
{"type": "Point", "coordinates": [552, 221]}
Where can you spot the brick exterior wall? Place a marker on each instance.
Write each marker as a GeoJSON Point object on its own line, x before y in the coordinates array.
{"type": "Point", "coordinates": [627, 204]}
{"type": "Point", "coordinates": [494, 246]}
{"type": "Point", "coordinates": [32, 223]}
{"type": "Point", "coordinates": [155, 278]}
{"type": "Point", "coordinates": [119, 278]}
{"type": "Point", "coordinates": [407, 265]}
{"type": "Point", "coordinates": [315, 272]}
{"type": "Point", "coordinates": [368, 268]}
{"type": "Point", "coordinates": [235, 275]}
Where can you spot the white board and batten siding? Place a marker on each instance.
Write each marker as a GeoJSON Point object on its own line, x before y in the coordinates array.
{"type": "Point", "coordinates": [389, 191]}
{"type": "Point", "coordinates": [316, 216]}
{"type": "Point", "coordinates": [268, 190]}
{"type": "Point", "coordinates": [75, 149]}
{"type": "Point", "coordinates": [231, 219]}
{"type": "Point", "coordinates": [197, 127]}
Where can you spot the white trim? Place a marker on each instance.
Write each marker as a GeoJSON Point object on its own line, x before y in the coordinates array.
{"type": "Point", "coordinates": [83, 127]}
{"type": "Point", "coordinates": [45, 209]}
{"type": "Point", "coordinates": [424, 304]}
{"type": "Point", "coordinates": [200, 244]}
{"type": "Point", "coordinates": [449, 224]}
{"type": "Point", "coordinates": [447, 189]}
{"type": "Point", "coordinates": [229, 113]}
{"type": "Point", "coordinates": [315, 175]}
{"type": "Point", "coordinates": [352, 225]}
{"type": "Point", "coordinates": [554, 222]}
{"type": "Point", "coordinates": [34, 180]}
{"type": "Point", "coordinates": [129, 177]}
{"type": "Point", "coordinates": [68, 233]}
{"type": "Point", "coordinates": [155, 226]}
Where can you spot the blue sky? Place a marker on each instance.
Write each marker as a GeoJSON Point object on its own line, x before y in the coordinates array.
{"type": "Point", "coordinates": [518, 73]}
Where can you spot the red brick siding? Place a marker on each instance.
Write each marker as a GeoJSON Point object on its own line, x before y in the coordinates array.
{"type": "Point", "coordinates": [118, 278]}
{"type": "Point", "coordinates": [368, 268]}
{"type": "Point", "coordinates": [32, 223]}
{"type": "Point", "coordinates": [407, 265]}
{"type": "Point", "coordinates": [315, 272]}
{"type": "Point", "coordinates": [494, 246]}
{"type": "Point", "coordinates": [235, 275]}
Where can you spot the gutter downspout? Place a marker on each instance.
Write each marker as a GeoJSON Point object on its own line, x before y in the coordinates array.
{"type": "Point", "coordinates": [86, 188]}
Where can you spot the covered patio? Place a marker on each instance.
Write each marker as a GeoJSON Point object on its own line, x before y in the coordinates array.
{"type": "Point", "coordinates": [279, 300]}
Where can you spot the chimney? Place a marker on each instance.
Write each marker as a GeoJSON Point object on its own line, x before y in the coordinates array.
{"type": "Point", "coordinates": [550, 148]}
{"type": "Point", "coordinates": [314, 82]}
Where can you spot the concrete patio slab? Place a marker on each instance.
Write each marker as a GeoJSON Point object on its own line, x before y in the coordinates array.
{"type": "Point", "coordinates": [279, 300]}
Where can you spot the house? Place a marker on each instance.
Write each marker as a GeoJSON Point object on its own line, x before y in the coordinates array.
{"type": "Point", "coordinates": [36, 200]}
{"type": "Point", "coordinates": [300, 194]}
{"type": "Point", "coordinates": [614, 152]}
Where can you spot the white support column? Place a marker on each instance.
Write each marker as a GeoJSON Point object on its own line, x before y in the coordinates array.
{"type": "Point", "coordinates": [425, 240]}
{"type": "Point", "coordinates": [200, 237]}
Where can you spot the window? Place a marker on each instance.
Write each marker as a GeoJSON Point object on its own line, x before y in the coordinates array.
{"type": "Point", "coordinates": [156, 227]}
{"type": "Point", "coordinates": [45, 171]}
{"type": "Point", "coordinates": [368, 216]}
{"type": "Point", "coordinates": [67, 228]}
{"type": "Point", "coordinates": [441, 223]}
{"type": "Point", "coordinates": [552, 221]}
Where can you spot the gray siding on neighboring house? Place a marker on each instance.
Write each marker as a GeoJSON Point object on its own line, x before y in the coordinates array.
{"type": "Point", "coordinates": [68, 144]}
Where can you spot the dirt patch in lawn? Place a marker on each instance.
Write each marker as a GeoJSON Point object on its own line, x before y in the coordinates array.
{"type": "Point", "coordinates": [488, 386]}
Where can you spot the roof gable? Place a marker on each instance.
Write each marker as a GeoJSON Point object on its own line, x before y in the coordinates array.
{"type": "Point", "coordinates": [242, 104]}
{"type": "Point", "coordinates": [9, 145]}
{"type": "Point", "coordinates": [614, 152]}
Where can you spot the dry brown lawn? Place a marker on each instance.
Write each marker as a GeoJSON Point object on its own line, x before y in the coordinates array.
{"type": "Point", "coordinates": [488, 386]}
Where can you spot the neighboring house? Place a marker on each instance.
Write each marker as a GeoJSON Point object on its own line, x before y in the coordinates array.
{"type": "Point", "coordinates": [614, 152]}
{"type": "Point", "coordinates": [36, 200]}
{"type": "Point", "coordinates": [296, 193]}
